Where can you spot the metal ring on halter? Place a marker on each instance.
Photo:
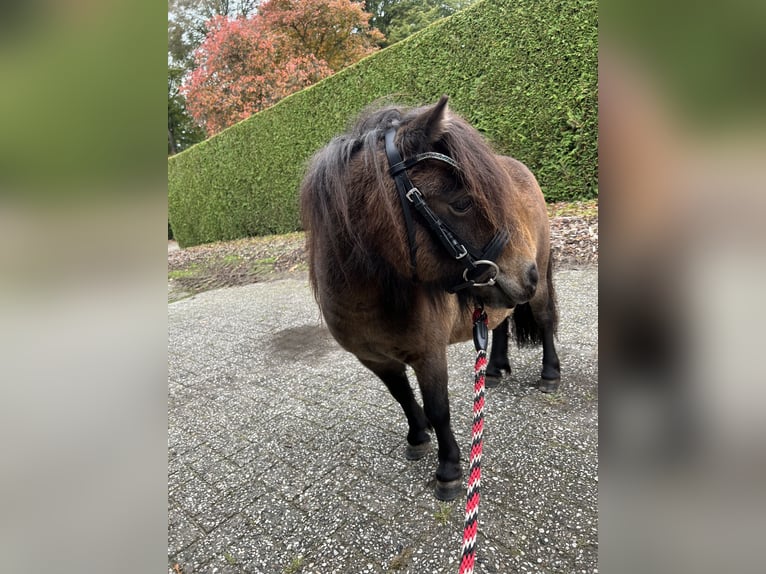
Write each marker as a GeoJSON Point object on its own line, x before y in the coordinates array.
{"type": "Point", "coordinates": [491, 280]}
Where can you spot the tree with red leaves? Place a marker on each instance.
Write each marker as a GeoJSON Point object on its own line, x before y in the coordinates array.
{"type": "Point", "coordinates": [335, 31]}
{"type": "Point", "coordinates": [247, 64]}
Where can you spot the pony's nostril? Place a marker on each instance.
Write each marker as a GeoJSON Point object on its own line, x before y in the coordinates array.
{"type": "Point", "coordinates": [533, 276]}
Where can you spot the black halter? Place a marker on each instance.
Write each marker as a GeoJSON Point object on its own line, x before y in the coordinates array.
{"type": "Point", "coordinates": [480, 268]}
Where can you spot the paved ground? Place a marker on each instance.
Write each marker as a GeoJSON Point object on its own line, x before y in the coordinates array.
{"type": "Point", "coordinates": [285, 455]}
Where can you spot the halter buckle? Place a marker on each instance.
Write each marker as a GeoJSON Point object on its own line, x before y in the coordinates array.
{"type": "Point", "coordinates": [411, 192]}
{"type": "Point", "coordinates": [489, 282]}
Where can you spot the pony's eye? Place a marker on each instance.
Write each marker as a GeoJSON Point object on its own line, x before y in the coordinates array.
{"type": "Point", "coordinates": [462, 205]}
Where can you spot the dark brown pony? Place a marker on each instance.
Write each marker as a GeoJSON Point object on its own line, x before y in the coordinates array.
{"type": "Point", "coordinates": [390, 313]}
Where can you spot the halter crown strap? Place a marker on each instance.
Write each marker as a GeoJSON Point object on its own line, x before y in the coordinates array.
{"type": "Point", "coordinates": [394, 159]}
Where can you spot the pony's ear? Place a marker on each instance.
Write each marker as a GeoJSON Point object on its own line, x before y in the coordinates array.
{"type": "Point", "coordinates": [434, 121]}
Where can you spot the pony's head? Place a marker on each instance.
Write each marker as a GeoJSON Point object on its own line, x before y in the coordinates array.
{"type": "Point", "coordinates": [353, 213]}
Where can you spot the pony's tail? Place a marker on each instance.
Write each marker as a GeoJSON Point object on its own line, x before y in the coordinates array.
{"type": "Point", "coordinates": [526, 329]}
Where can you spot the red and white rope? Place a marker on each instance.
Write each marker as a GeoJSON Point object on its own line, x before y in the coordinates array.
{"type": "Point", "coordinates": [470, 529]}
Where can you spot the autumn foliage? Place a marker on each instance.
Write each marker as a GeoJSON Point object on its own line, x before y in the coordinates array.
{"type": "Point", "coordinates": [335, 31]}
{"type": "Point", "coordinates": [247, 64]}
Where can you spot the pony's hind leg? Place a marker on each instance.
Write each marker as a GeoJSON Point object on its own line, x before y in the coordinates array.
{"type": "Point", "coordinates": [533, 325]}
{"type": "Point", "coordinates": [535, 322]}
{"type": "Point", "coordinates": [498, 355]}
{"type": "Point", "coordinates": [550, 378]}
{"type": "Point", "coordinates": [395, 378]}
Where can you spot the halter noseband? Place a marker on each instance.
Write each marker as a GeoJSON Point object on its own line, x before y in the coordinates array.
{"type": "Point", "coordinates": [480, 268]}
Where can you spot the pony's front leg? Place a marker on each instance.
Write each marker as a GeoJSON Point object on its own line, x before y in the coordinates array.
{"type": "Point", "coordinates": [394, 375]}
{"type": "Point", "coordinates": [432, 378]}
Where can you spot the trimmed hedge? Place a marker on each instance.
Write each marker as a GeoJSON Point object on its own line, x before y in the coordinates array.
{"type": "Point", "coordinates": [523, 72]}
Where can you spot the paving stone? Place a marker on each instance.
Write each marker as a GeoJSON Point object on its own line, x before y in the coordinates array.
{"type": "Point", "coordinates": [284, 452]}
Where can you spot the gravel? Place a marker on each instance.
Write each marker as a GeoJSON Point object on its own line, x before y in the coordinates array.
{"type": "Point", "coordinates": [286, 455]}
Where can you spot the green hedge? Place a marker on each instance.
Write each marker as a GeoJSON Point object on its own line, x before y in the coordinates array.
{"type": "Point", "coordinates": [523, 72]}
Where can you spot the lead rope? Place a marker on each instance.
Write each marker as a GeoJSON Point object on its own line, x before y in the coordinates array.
{"type": "Point", "coordinates": [480, 339]}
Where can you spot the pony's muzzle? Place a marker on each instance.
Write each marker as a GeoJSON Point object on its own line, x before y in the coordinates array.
{"type": "Point", "coordinates": [532, 277]}
{"type": "Point", "coordinates": [519, 286]}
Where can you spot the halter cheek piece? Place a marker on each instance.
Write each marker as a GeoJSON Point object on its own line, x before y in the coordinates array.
{"type": "Point", "coordinates": [480, 268]}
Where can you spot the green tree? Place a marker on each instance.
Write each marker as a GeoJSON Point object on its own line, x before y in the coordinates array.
{"type": "Point", "coordinates": [186, 31]}
{"type": "Point", "coordinates": [397, 19]}
{"type": "Point", "coordinates": [183, 131]}
{"type": "Point", "coordinates": [186, 24]}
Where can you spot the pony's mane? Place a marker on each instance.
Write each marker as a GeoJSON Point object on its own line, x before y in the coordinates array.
{"type": "Point", "coordinates": [346, 203]}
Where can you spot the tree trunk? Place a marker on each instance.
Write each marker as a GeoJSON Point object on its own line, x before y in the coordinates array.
{"type": "Point", "coordinates": [172, 147]}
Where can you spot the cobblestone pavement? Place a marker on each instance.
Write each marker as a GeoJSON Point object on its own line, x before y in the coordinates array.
{"type": "Point", "coordinates": [285, 455]}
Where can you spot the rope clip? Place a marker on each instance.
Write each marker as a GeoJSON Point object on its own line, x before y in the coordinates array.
{"type": "Point", "coordinates": [480, 329]}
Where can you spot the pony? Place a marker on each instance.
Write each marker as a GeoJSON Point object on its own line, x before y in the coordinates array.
{"type": "Point", "coordinates": [394, 267]}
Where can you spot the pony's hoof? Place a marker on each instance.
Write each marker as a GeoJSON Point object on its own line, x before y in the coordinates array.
{"type": "Point", "coordinates": [449, 490]}
{"type": "Point", "coordinates": [548, 385]}
{"type": "Point", "coordinates": [491, 381]}
{"type": "Point", "coordinates": [417, 451]}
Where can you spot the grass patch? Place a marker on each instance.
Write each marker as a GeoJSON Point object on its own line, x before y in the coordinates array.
{"type": "Point", "coordinates": [295, 565]}
{"type": "Point", "coordinates": [264, 265]}
{"type": "Point", "coordinates": [443, 514]}
{"type": "Point", "coordinates": [401, 560]}
{"type": "Point", "coordinates": [553, 398]}
{"type": "Point", "coordinates": [231, 259]}
{"type": "Point", "coordinates": [229, 558]}
{"type": "Point", "coordinates": [587, 209]}
{"type": "Point", "coordinates": [189, 272]}
{"type": "Point", "coordinates": [234, 263]}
